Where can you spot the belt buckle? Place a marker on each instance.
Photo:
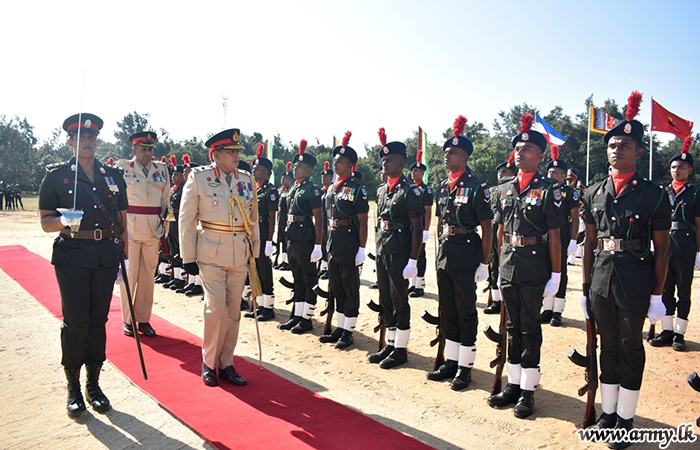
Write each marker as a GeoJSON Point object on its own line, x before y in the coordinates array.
{"type": "Point", "coordinates": [97, 232]}
{"type": "Point", "coordinates": [333, 223]}
{"type": "Point", "coordinates": [675, 225]}
{"type": "Point", "coordinates": [384, 225]}
{"type": "Point", "coordinates": [446, 230]}
{"type": "Point", "coordinates": [611, 245]}
{"type": "Point", "coordinates": [514, 240]}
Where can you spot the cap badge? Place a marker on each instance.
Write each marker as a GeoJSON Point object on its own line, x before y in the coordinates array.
{"type": "Point", "coordinates": [683, 155]}
{"type": "Point", "coordinates": [149, 137]}
{"type": "Point", "coordinates": [555, 163]}
{"type": "Point", "coordinates": [628, 128]}
{"type": "Point", "coordinates": [525, 137]}
{"type": "Point", "coordinates": [301, 157]}
{"type": "Point", "coordinates": [342, 150]}
{"type": "Point", "coordinates": [455, 141]}
{"type": "Point", "coordinates": [385, 150]}
{"type": "Point", "coordinates": [88, 123]}
{"type": "Point", "coordinates": [235, 136]}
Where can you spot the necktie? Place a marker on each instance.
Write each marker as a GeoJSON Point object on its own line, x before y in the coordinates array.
{"type": "Point", "coordinates": [228, 179]}
{"type": "Point", "coordinates": [145, 171]}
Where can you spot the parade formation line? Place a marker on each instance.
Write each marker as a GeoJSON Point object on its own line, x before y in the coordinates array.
{"type": "Point", "coordinates": [271, 412]}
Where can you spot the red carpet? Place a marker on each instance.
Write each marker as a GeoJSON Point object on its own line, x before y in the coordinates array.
{"type": "Point", "coordinates": [270, 413]}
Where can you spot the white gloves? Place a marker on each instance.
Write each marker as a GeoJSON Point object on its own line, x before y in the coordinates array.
{"type": "Point", "coordinates": [552, 285]}
{"type": "Point", "coordinates": [360, 256]}
{"type": "Point", "coordinates": [481, 273]}
{"type": "Point", "coordinates": [697, 261]}
{"type": "Point", "coordinates": [316, 254]}
{"type": "Point", "coordinates": [583, 307]}
{"type": "Point", "coordinates": [572, 247]}
{"type": "Point", "coordinates": [411, 269]}
{"type": "Point", "coordinates": [269, 248]}
{"type": "Point", "coordinates": [120, 278]}
{"type": "Point", "coordinates": [657, 310]}
{"type": "Point", "coordinates": [426, 236]}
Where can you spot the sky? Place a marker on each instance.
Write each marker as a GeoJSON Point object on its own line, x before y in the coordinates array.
{"type": "Point", "coordinates": [313, 69]}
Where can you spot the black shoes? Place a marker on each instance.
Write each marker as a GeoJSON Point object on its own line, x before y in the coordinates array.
{"type": "Point", "coordinates": [678, 342]}
{"type": "Point", "coordinates": [75, 404]}
{"type": "Point", "coordinates": [345, 340]}
{"type": "Point", "coordinates": [251, 314]}
{"type": "Point", "coordinates": [175, 284]}
{"type": "Point", "coordinates": [196, 290]}
{"type": "Point", "coordinates": [546, 316]}
{"type": "Point", "coordinates": [526, 404]}
{"type": "Point", "coordinates": [448, 369]}
{"type": "Point", "coordinates": [495, 308]}
{"type": "Point", "coordinates": [209, 376]}
{"type": "Point", "coordinates": [161, 278]}
{"type": "Point", "coordinates": [185, 289]}
{"type": "Point", "coordinates": [146, 329]}
{"type": "Point", "coordinates": [266, 315]}
{"type": "Point", "coordinates": [417, 292]}
{"type": "Point", "coordinates": [303, 326]}
{"type": "Point", "coordinates": [374, 286]}
{"type": "Point", "coordinates": [291, 323]}
{"type": "Point", "coordinates": [506, 397]}
{"type": "Point", "coordinates": [664, 339]}
{"type": "Point", "coordinates": [396, 358]}
{"type": "Point", "coordinates": [331, 338]}
{"type": "Point", "coordinates": [97, 399]}
{"type": "Point", "coordinates": [229, 374]}
{"type": "Point", "coordinates": [556, 319]}
{"type": "Point", "coordinates": [376, 358]}
{"type": "Point", "coordinates": [606, 421]}
{"type": "Point", "coordinates": [283, 266]}
{"type": "Point", "coordinates": [128, 329]}
{"type": "Point", "coordinates": [622, 424]}
{"type": "Point", "coordinates": [462, 379]}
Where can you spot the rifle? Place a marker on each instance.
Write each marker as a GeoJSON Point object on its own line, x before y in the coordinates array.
{"type": "Point", "coordinates": [652, 332]}
{"type": "Point", "coordinates": [330, 307]}
{"type": "Point", "coordinates": [501, 340]}
{"type": "Point", "coordinates": [590, 362]}
{"type": "Point", "coordinates": [490, 300]}
{"type": "Point", "coordinates": [131, 312]}
{"type": "Point", "coordinates": [277, 253]}
{"type": "Point", "coordinates": [439, 323]}
{"type": "Point", "coordinates": [381, 327]}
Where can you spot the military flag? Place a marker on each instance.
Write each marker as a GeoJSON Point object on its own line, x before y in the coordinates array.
{"type": "Point", "coordinates": [423, 148]}
{"type": "Point", "coordinates": [665, 121]}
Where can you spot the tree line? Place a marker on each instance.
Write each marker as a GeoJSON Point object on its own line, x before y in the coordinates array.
{"type": "Point", "coordinates": [23, 158]}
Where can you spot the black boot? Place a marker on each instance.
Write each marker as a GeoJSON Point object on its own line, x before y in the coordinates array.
{"type": "Point", "coordinates": [345, 340]}
{"type": "Point", "coordinates": [76, 404]}
{"type": "Point", "coordinates": [376, 358]}
{"type": "Point", "coordinates": [258, 310]}
{"type": "Point", "coordinates": [374, 286]}
{"type": "Point", "coordinates": [448, 369]}
{"type": "Point", "coordinates": [556, 319]}
{"type": "Point", "coordinates": [526, 404]}
{"type": "Point", "coordinates": [506, 397]}
{"type": "Point", "coordinates": [162, 278]}
{"type": "Point", "coordinates": [245, 306]}
{"type": "Point", "coordinates": [417, 292]}
{"type": "Point", "coordinates": [176, 284]}
{"type": "Point", "coordinates": [291, 323]}
{"type": "Point", "coordinates": [678, 342]}
{"type": "Point", "coordinates": [266, 314]}
{"type": "Point", "coordinates": [664, 339]}
{"type": "Point", "coordinates": [184, 290]}
{"type": "Point", "coordinates": [495, 308]}
{"type": "Point", "coordinates": [622, 424]}
{"type": "Point", "coordinates": [303, 326]}
{"type": "Point", "coordinates": [196, 290]}
{"type": "Point", "coordinates": [331, 338]}
{"type": "Point", "coordinates": [462, 379]}
{"type": "Point", "coordinates": [606, 421]}
{"type": "Point", "coordinates": [546, 316]}
{"type": "Point", "coordinates": [396, 358]}
{"type": "Point", "coordinates": [98, 400]}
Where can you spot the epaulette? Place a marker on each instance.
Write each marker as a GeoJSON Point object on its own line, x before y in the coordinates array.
{"type": "Point", "coordinates": [114, 167]}
{"type": "Point", "coordinates": [201, 168]}
{"type": "Point", "coordinates": [55, 166]}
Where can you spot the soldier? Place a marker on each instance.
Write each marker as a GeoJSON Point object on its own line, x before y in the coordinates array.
{"type": "Point", "coordinates": [527, 209]}
{"type": "Point", "coordinates": [86, 261]}
{"type": "Point", "coordinates": [417, 170]}
{"type": "Point", "coordinates": [18, 196]}
{"type": "Point", "coordinates": [684, 256]}
{"type": "Point", "coordinates": [346, 207]}
{"type": "Point", "coordinates": [504, 172]}
{"type": "Point", "coordinates": [326, 181]}
{"type": "Point", "coordinates": [9, 205]}
{"type": "Point", "coordinates": [221, 198]}
{"type": "Point", "coordinates": [553, 306]}
{"type": "Point", "coordinates": [304, 236]}
{"type": "Point", "coordinates": [623, 214]}
{"type": "Point", "coordinates": [147, 187]}
{"type": "Point", "coordinates": [462, 259]}
{"type": "Point", "coordinates": [268, 199]}
{"type": "Point", "coordinates": [2, 193]}
{"type": "Point", "coordinates": [398, 238]}
{"type": "Point", "coordinates": [286, 182]}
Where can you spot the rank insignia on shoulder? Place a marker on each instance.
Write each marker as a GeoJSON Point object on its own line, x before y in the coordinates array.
{"type": "Point", "coordinates": [557, 194]}
{"type": "Point", "coordinates": [317, 192]}
{"type": "Point", "coordinates": [364, 192]}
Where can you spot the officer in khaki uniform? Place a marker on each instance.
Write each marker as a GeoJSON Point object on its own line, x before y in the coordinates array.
{"type": "Point", "coordinates": [148, 189]}
{"type": "Point", "coordinates": [223, 200]}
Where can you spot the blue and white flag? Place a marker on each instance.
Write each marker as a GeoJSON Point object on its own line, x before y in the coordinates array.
{"type": "Point", "coordinates": [552, 135]}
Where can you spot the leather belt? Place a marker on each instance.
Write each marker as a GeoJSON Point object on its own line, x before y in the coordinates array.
{"type": "Point", "coordinates": [96, 235]}
{"type": "Point", "coordinates": [221, 227]}
{"type": "Point", "coordinates": [264, 218]}
{"type": "Point", "coordinates": [679, 226]}
{"type": "Point", "coordinates": [620, 245]}
{"type": "Point", "coordinates": [451, 230]}
{"type": "Point", "coordinates": [297, 218]}
{"type": "Point", "coordinates": [335, 223]}
{"type": "Point", "coordinates": [149, 210]}
{"type": "Point", "coordinates": [522, 241]}
{"type": "Point", "coordinates": [386, 225]}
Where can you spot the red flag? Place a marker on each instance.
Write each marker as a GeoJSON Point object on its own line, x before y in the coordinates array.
{"type": "Point", "coordinates": [665, 121]}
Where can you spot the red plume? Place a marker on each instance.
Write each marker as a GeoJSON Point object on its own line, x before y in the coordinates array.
{"type": "Point", "coordinates": [346, 138]}
{"type": "Point", "coordinates": [686, 144]}
{"type": "Point", "coordinates": [326, 165]}
{"type": "Point", "coordinates": [633, 105]}
{"type": "Point", "coordinates": [173, 160]}
{"type": "Point", "coordinates": [289, 166]}
{"type": "Point", "coordinates": [555, 152]}
{"type": "Point", "coordinates": [261, 149]}
{"type": "Point", "coordinates": [526, 122]}
{"type": "Point", "coordinates": [511, 158]}
{"type": "Point", "coordinates": [302, 146]}
{"type": "Point", "coordinates": [382, 136]}
{"type": "Point", "coordinates": [186, 159]}
{"type": "Point", "coordinates": [153, 158]}
{"type": "Point", "coordinates": [110, 161]}
{"type": "Point", "coordinates": [460, 123]}
{"type": "Point", "coordinates": [354, 167]}
{"type": "Point", "coordinates": [419, 155]}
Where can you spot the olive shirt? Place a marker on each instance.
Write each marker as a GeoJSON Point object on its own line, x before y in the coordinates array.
{"type": "Point", "coordinates": [56, 191]}
{"type": "Point", "coordinates": [686, 207]}
{"type": "Point", "coordinates": [303, 198]}
{"type": "Point", "coordinates": [268, 200]}
{"type": "Point", "coordinates": [397, 208]}
{"type": "Point", "coordinates": [639, 208]}
{"type": "Point", "coordinates": [344, 203]}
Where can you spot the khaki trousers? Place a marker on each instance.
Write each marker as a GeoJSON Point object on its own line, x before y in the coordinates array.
{"type": "Point", "coordinates": [223, 288]}
{"type": "Point", "coordinates": [143, 259]}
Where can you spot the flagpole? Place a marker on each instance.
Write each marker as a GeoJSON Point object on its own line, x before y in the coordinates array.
{"type": "Point", "coordinates": [651, 139]}
{"type": "Point", "coordinates": [588, 146]}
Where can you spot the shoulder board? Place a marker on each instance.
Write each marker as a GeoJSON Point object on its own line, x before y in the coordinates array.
{"type": "Point", "coordinates": [56, 166]}
{"type": "Point", "coordinates": [201, 168]}
{"type": "Point", "coordinates": [114, 168]}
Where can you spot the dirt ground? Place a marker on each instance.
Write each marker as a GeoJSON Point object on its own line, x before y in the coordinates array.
{"type": "Point", "coordinates": [32, 385]}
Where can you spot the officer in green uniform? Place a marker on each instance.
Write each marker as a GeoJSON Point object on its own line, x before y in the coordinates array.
{"type": "Point", "coordinates": [326, 182]}
{"type": "Point", "coordinates": [684, 256]}
{"type": "Point", "coordinates": [86, 260]}
{"type": "Point", "coordinates": [286, 185]}
{"type": "Point", "coordinates": [345, 203]}
{"type": "Point", "coordinates": [623, 214]}
{"type": "Point", "coordinates": [398, 239]}
{"type": "Point", "coordinates": [462, 259]}
{"type": "Point", "coordinates": [417, 170]}
{"type": "Point", "coordinates": [304, 236]}
{"type": "Point", "coordinates": [528, 209]}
